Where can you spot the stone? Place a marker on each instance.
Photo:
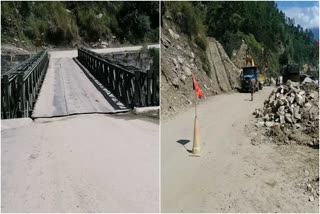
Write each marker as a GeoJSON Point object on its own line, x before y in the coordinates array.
{"type": "Point", "coordinates": [175, 82]}
{"type": "Point", "coordinates": [307, 105]}
{"type": "Point", "coordinates": [168, 40]}
{"type": "Point", "coordinates": [269, 124]}
{"type": "Point", "coordinates": [260, 120]}
{"type": "Point", "coordinates": [175, 62]}
{"type": "Point", "coordinates": [311, 198]}
{"type": "Point", "coordinates": [259, 124]}
{"type": "Point", "coordinates": [288, 118]}
{"type": "Point", "coordinates": [296, 113]}
{"type": "Point", "coordinates": [307, 80]}
{"type": "Point", "coordinates": [173, 34]}
{"type": "Point", "coordinates": [266, 117]}
{"type": "Point", "coordinates": [180, 60]}
{"type": "Point", "coordinates": [291, 109]}
{"type": "Point", "coordinates": [291, 98]}
{"type": "Point", "coordinates": [281, 110]}
{"type": "Point", "coordinates": [104, 44]}
{"type": "Point", "coordinates": [281, 102]}
{"type": "Point", "coordinates": [292, 84]}
{"type": "Point", "coordinates": [306, 173]}
{"type": "Point", "coordinates": [297, 126]}
{"type": "Point", "coordinates": [187, 71]}
{"type": "Point", "coordinates": [299, 99]}
{"type": "Point", "coordinates": [311, 95]}
{"type": "Point", "coordinates": [183, 78]}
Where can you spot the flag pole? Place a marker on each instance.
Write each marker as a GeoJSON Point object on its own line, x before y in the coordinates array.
{"type": "Point", "coordinates": [196, 141]}
{"type": "Point", "coordinates": [195, 101]}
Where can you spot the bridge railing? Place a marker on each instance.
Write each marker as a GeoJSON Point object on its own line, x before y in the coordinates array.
{"type": "Point", "coordinates": [20, 86]}
{"type": "Point", "coordinates": [130, 85]}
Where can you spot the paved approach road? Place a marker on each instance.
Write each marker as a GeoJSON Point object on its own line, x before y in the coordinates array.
{"type": "Point", "coordinates": [231, 175]}
{"type": "Point", "coordinates": [83, 163]}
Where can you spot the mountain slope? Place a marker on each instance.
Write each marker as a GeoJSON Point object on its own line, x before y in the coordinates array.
{"type": "Point", "coordinates": [180, 58]}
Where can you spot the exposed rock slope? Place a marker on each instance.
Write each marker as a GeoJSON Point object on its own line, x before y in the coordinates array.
{"type": "Point", "coordinates": [180, 58]}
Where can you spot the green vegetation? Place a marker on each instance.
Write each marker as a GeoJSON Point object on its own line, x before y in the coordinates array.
{"type": "Point", "coordinates": [273, 39]}
{"type": "Point", "coordinates": [64, 23]}
{"type": "Point", "coordinates": [190, 21]}
{"type": "Point", "coordinates": [155, 55]}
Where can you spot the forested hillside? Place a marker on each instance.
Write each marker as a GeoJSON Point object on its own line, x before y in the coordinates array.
{"type": "Point", "coordinates": [272, 38]}
{"type": "Point", "coordinates": [68, 23]}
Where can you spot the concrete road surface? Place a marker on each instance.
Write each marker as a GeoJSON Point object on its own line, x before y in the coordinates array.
{"type": "Point", "coordinates": [231, 175]}
{"type": "Point", "coordinates": [84, 163]}
{"type": "Point", "coordinates": [67, 90]}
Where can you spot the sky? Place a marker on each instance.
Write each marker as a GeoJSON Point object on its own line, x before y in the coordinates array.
{"type": "Point", "coordinates": [305, 13]}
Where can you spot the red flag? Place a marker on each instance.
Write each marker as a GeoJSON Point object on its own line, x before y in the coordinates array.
{"type": "Point", "coordinates": [196, 87]}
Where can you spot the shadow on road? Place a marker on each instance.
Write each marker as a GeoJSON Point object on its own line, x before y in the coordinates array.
{"type": "Point", "coordinates": [238, 89]}
{"type": "Point", "coordinates": [314, 146]}
{"type": "Point", "coordinates": [183, 142]}
{"type": "Point", "coordinates": [114, 102]}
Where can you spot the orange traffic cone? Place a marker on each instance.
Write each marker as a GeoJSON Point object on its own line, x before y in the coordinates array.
{"type": "Point", "coordinates": [196, 141]}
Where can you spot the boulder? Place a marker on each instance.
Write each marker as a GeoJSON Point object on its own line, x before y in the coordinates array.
{"type": "Point", "coordinates": [307, 105]}
{"type": "Point", "coordinates": [175, 62]}
{"type": "Point", "coordinates": [183, 78]}
{"type": "Point", "coordinates": [175, 82]}
{"type": "Point", "coordinates": [180, 60]}
{"type": "Point", "coordinates": [288, 118]}
{"type": "Point", "coordinates": [173, 34]}
{"type": "Point", "coordinates": [269, 124]}
{"type": "Point", "coordinates": [299, 99]}
{"type": "Point", "coordinates": [187, 71]}
{"type": "Point", "coordinates": [259, 124]}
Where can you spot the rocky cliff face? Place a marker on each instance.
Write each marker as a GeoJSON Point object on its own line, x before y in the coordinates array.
{"type": "Point", "coordinates": [180, 58]}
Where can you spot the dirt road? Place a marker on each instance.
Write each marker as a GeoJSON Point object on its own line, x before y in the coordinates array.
{"type": "Point", "coordinates": [232, 175]}
{"type": "Point", "coordinates": [84, 163]}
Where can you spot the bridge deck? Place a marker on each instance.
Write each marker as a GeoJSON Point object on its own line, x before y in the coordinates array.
{"type": "Point", "coordinates": [67, 90]}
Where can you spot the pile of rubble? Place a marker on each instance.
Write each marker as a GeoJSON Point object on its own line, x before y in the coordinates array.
{"type": "Point", "coordinates": [291, 114]}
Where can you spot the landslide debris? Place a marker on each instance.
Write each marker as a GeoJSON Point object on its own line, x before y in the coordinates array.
{"type": "Point", "coordinates": [290, 115]}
